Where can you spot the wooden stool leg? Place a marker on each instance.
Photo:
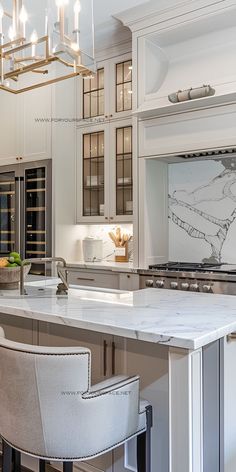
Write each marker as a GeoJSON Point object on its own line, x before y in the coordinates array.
{"type": "Point", "coordinates": [6, 457]}
{"type": "Point", "coordinates": [67, 466]}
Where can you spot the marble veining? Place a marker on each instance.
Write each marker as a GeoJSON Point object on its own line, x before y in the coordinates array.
{"type": "Point", "coordinates": [172, 318]}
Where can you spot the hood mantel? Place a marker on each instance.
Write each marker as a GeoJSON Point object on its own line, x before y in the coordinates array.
{"type": "Point", "coordinates": [181, 47]}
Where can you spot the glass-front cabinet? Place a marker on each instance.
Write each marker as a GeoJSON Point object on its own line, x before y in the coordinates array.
{"type": "Point", "coordinates": [108, 95]}
{"type": "Point", "coordinates": [93, 173]}
{"type": "Point", "coordinates": [105, 144]}
{"type": "Point", "coordinates": [105, 173]}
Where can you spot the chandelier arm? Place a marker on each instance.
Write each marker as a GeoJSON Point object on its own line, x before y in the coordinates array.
{"type": "Point", "coordinates": [22, 46]}
{"type": "Point", "coordinates": [29, 68]}
{"type": "Point", "coordinates": [6, 13]}
{"type": "Point", "coordinates": [11, 43]}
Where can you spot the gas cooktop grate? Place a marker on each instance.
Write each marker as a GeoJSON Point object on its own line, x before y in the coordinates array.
{"type": "Point", "coordinates": [186, 266]}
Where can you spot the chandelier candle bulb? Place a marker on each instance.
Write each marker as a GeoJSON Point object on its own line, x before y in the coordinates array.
{"type": "Point", "coordinates": [23, 19]}
{"type": "Point", "coordinates": [34, 40]}
{"type": "Point", "coordinates": [11, 33]}
{"type": "Point", "coordinates": [77, 10]}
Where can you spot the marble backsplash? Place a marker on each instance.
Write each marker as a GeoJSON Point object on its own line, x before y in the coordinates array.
{"type": "Point", "coordinates": [202, 211]}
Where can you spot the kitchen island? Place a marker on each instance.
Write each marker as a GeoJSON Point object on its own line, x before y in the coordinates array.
{"type": "Point", "coordinates": [181, 345]}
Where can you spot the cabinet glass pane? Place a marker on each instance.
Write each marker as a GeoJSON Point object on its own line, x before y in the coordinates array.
{"type": "Point", "coordinates": [93, 95]}
{"type": "Point", "coordinates": [124, 86]}
{"type": "Point", "coordinates": [7, 212]}
{"type": "Point", "coordinates": [93, 174]}
{"type": "Point", "coordinates": [124, 174]}
{"type": "Point", "coordinates": [35, 198]}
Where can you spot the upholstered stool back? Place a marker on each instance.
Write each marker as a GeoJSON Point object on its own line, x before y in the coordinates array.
{"type": "Point", "coordinates": [47, 408]}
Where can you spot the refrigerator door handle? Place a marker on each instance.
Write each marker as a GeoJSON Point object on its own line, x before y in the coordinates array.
{"type": "Point", "coordinates": [19, 215]}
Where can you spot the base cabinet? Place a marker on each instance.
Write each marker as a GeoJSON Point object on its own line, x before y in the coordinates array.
{"type": "Point", "coordinates": [18, 329]}
{"type": "Point", "coordinates": [104, 279]}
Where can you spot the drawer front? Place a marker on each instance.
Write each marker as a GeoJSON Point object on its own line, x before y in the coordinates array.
{"type": "Point", "coordinates": [93, 279]}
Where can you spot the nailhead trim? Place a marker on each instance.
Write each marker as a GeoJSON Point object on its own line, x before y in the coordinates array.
{"type": "Point", "coordinates": [75, 459]}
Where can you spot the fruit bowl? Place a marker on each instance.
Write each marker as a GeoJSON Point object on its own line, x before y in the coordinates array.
{"type": "Point", "coordinates": [10, 277]}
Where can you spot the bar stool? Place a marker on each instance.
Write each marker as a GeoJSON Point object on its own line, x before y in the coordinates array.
{"type": "Point", "coordinates": [49, 410]}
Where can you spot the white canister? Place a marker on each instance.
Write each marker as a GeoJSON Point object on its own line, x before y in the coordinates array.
{"type": "Point", "coordinates": [92, 249]}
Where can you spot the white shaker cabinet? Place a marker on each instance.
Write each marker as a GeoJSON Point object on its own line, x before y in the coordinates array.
{"type": "Point", "coordinates": [8, 122]}
{"type": "Point", "coordinates": [25, 122]}
{"type": "Point", "coordinates": [34, 126]}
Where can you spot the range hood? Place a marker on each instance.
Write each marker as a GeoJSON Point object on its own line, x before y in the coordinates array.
{"type": "Point", "coordinates": [215, 153]}
{"type": "Point", "coordinates": [203, 134]}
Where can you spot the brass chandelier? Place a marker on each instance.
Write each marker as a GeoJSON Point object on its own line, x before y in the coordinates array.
{"type": "Point", "coordinates": [67, 42]}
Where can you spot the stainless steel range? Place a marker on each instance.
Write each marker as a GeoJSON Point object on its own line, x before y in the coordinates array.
{"type": "Point", "coordinates": [202, 277]}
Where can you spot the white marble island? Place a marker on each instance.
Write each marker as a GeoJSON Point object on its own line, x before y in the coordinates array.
{"type": "Point", "coordinates": [174, 318]}
{"type": "Point", "coordinates": [176, 341]}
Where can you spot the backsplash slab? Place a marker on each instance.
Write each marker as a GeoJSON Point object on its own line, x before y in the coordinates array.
{"type": "Point", "coordinates": [202, 211]}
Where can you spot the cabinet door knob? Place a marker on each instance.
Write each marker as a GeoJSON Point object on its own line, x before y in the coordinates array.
{"type": "Point", "coordinates": [111, 218]}
{"type": "Point", "coordinates": [106, 217]}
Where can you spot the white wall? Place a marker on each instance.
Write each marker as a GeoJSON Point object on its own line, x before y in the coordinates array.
{"type": "Point", "coordinates": [63, 155]}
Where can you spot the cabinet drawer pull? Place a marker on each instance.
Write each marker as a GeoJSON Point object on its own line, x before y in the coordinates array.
{"type": "Point", "coordinates": [86, 279]}
{"type": "Point", "coordinates": [113, 362]}
{"type": "Point", "coordinates": [104, 358]}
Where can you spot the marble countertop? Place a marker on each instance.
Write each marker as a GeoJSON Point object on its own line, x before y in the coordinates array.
{"type": "Point", "coordinates": [104, 265]}
{"type": "Point", "coordinates": [180, 319]}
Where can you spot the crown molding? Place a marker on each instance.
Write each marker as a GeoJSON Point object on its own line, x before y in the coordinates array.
{"type": "Point", "coordinates": [151, 13]}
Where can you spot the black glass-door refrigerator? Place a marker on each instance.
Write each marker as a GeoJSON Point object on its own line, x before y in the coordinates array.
{"type": "Point", "coordinates": [26, 211]}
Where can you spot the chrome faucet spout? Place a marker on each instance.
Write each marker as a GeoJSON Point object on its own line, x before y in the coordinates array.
{"type": "Point", "coordinates": [62, 288]}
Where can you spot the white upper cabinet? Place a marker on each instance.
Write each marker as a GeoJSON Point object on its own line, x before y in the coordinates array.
{"type": "Point", "coordinates": [34, 127]}
{"type": "Point", "coordinates": [105, 144]}
{"type": "Point", "coordinates": [8, 120]}
{"type": "Point", "coordinates": [108, 95]}
{"type": "Point", "coordinates": [25, 121]}
{"type": "Point", "coordinates": [105, 173]}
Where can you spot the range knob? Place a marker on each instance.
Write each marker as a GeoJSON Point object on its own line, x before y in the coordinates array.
{"type": "Point", "coordinates": [174, 285]}
{"type": "Point", "coordinates": [194, 287]}
{"type": "Point", "coordinates": [206, 288]}
{"type": "Point", "coordinates": [185, 285]}
{"type": "Point", "coordinates": [160, 283]}
{"type": "Point", "coordinates": [149, 283]}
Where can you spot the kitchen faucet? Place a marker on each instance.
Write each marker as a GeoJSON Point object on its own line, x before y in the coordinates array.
{"type": "Point", "coordinates": [62, 288]}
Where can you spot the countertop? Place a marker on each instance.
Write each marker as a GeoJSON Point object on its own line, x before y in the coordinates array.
{"type": "Point", "coordinates": [104, 265]}
{"type": "Point", "coordinates": [174, 318]}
